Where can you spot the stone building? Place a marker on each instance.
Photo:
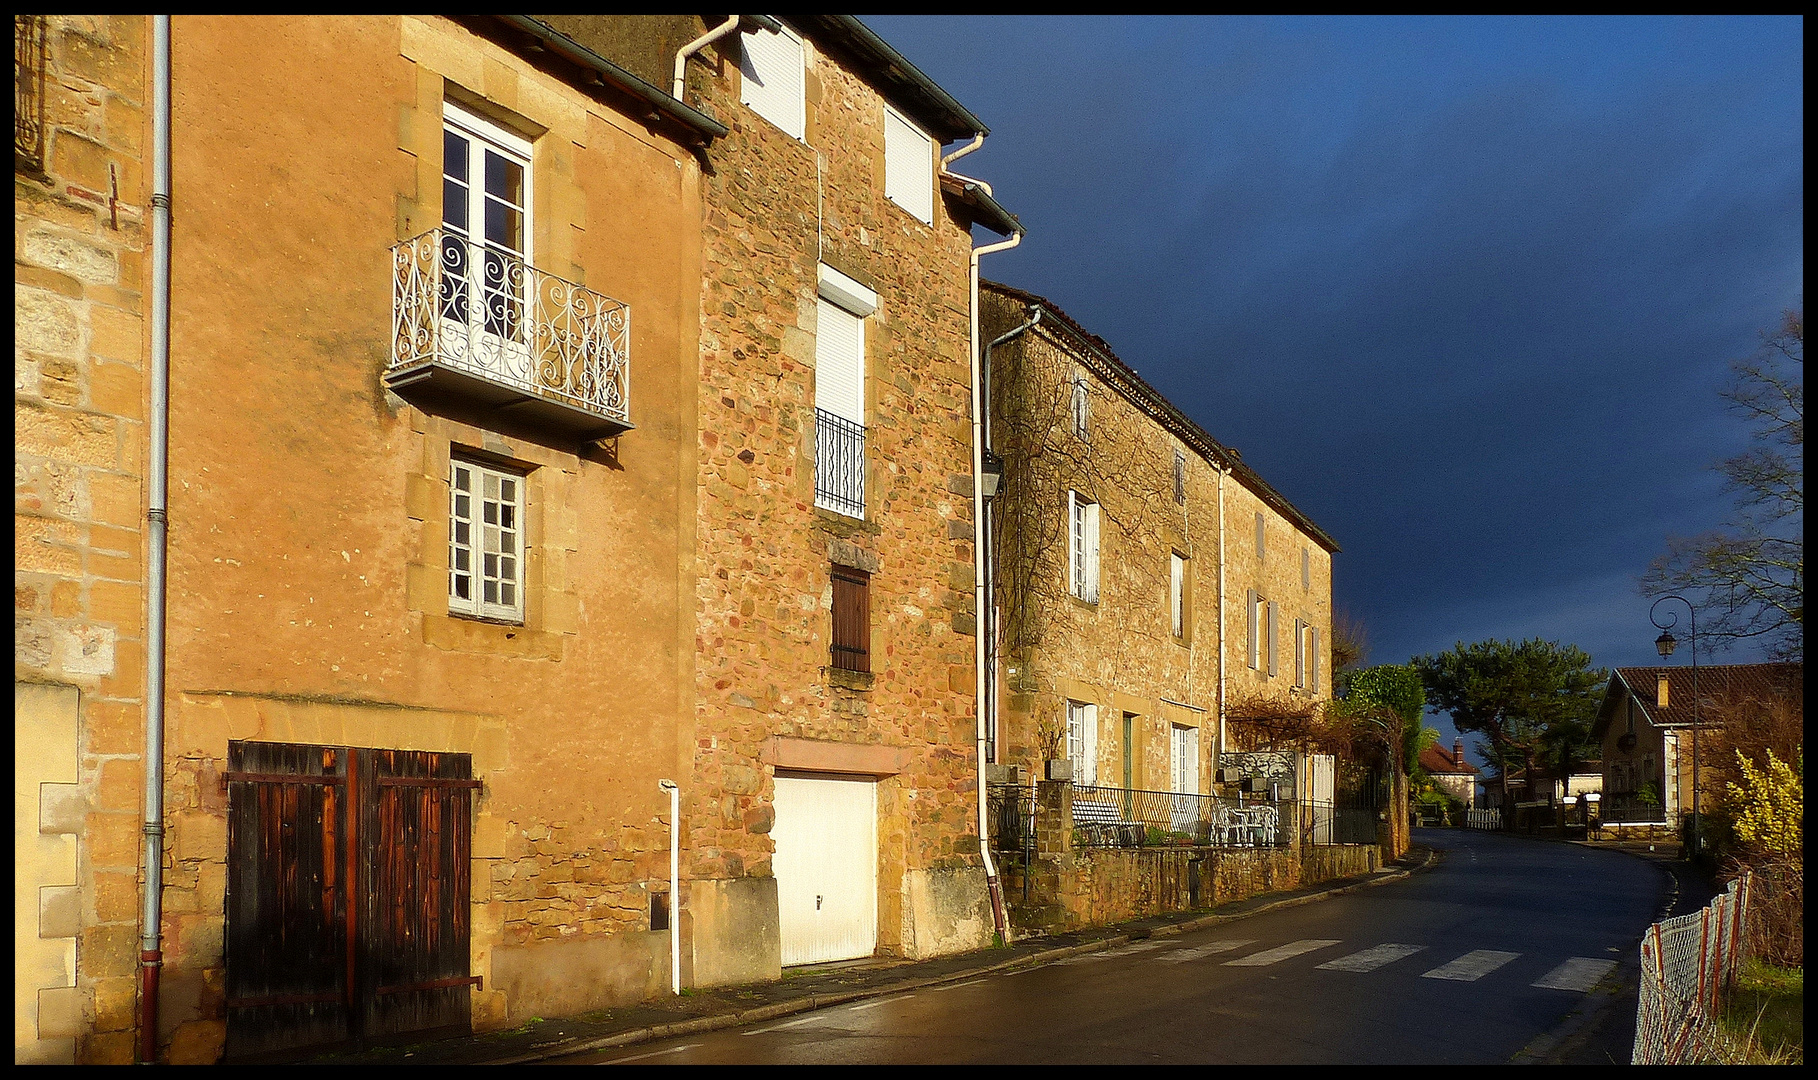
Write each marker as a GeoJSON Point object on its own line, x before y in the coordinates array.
{"type": "Point", "coordinates": [539, 431]}
{"type": "Point", "coordinates": [1646, 724]}
{"type": "Point", "coordinates": [1144, 578]}
{"type": "Point", "coordinates": [1452, 772]}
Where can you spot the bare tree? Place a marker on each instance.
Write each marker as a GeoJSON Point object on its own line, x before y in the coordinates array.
{"type": "Point", "coordinates": [1749, 578]}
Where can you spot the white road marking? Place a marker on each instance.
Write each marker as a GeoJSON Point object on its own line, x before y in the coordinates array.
{"type": "Point", "coordinates": [1145, 946]}
{"type": "Point", "coordinates": [955, 986]}
{"type": "Point", "coordinates": [779, 1027]}
{"type": "Point", "coordinates": [653, 1053]}
{"type": "Point", "coordinates": [1471, 966]}
{"type": "Point", "coordinates": [879, 1001]}
{"type": "Point", "coordinates": [1205, 950]}
{"type": "Point", "coordinates": [1371, 959]}
{"type": "Point", "coordinates": [1580, 973]}
{"type": "Point", "coordinates": [1282, 952]}
{"type": "Point", "coordinates": [1085, 958]}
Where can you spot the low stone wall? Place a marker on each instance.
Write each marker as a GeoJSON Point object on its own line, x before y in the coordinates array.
{"type": "Point", "coordinates": [1097, 887]}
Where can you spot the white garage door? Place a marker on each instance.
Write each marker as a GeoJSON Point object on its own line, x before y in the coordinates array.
{"type": "Point", "coordinates": [826, 868]}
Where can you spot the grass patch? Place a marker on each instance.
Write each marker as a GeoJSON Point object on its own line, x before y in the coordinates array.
{"type": "Point", "coordinates": [1767, 1009]}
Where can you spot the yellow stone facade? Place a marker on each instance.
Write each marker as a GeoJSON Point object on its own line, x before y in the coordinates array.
{"type": "Point", "coordinates": [1119, 651]}
{"type": "Point", "coordinates": [676, 618]}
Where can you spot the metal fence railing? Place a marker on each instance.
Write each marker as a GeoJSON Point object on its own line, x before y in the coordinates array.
{"type": "Point", "coordinates": [1632, 815]}
{"type": "Point", "coordinates": [839, 464]}
{"type": "Point", "coordinates": [1686, 962]}
{"type": "Point", "coordinates": [1337, 823]}
{"type": "Point", "coordinates": [1127, 817]}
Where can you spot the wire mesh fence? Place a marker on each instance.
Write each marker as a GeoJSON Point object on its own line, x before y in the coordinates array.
{"type": "Point", "coordinates": [1686, 963]}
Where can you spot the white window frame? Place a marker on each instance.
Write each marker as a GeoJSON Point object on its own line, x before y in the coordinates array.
{"type": "Point", "coordinates": [1300, 653]}
{"type": "Point", "coordinates": [470, 498]}
{"type": "Point", "coordinates": [839, 376]}
{"type": "Point", "coordinates": [1177, 592]}
{"type": "Point", "coordinates": [908, 166]}
{"type": "Point", "coordinates": [1082, 741]}
{"type": "Point", "coordinates": [1082, 547]}
{"type": "Point", "coordinates": [773, 67]}
{"type": "Point", "coordinates": [483, 135]}
{"type": "Point", "coordinates": [1183, 755]}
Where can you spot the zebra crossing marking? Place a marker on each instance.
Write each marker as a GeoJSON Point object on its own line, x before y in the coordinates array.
{"type": "Point", "coordinates": [1580, 973]}
{"type": "Point", "coordinates": [1205, 950]}
{"type": "Point", "coordinates": [1371, 959]}
{"type": "Point", "coordinates": [1282, 952]}
{"type": "Point", "coordinates": [1471, 966]}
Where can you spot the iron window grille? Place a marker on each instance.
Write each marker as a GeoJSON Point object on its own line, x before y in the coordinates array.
{"type": "Point", "coordinates": [839, 464]}
{"type": "Point", "coordinates": [851, 619]}
{"type": "Point", "coordinates": [28, 92]}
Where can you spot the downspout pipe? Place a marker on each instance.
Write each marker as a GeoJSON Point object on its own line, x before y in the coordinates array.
{"type": "Point", "coordinates": [151, 954]}
{"type": "Point", "coordinates": [675, 895]}
{"type": "Point", "coordinates": [695, 46]}
{"type": "Point", "coordinates": [998, 915]}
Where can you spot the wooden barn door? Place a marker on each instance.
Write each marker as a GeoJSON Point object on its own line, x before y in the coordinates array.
{"type": "Point", "coordinates": [347, 895]}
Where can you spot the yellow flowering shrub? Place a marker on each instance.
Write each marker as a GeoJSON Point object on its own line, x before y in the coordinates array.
{"type": "Point", "coordinates": [1770, 804]}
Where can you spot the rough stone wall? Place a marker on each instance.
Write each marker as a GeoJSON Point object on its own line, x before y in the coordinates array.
{"type": "Point", "coordinates": [775, 208]}
{"type": "Point", "coordinates": [1100, 887]}
{"type": "Point", "coordinates": [1275, 572]}
{"type": "Point", "coordinates": [1119, 652]}
{"type": "Point", "coordinates": [79, 406]}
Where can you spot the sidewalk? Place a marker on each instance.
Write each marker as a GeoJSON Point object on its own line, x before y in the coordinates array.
{"type": "Point", "coordinates": [804, 989]}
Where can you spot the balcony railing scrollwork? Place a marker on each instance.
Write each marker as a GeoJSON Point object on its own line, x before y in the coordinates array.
{"type": "Point", "coordinates": [476, 321]}
{"type": "Point", "coordinates": [839, 464]}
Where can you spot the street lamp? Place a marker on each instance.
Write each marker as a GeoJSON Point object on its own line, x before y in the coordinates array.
{"type": "Point", "coordinates": [1665, 644]}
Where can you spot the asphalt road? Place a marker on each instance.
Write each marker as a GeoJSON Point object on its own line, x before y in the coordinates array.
{"type": "Point", "coordinates": [1492, 956]}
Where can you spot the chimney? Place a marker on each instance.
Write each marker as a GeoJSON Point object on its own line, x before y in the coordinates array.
{"type": "Point", "coordinates": [1458, 752]}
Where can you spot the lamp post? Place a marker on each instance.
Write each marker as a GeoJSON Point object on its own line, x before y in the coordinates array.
{"type": "Point", "coordinates": [1665, 644]}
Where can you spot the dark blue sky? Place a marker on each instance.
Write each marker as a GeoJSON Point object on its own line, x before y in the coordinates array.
{"type": "Point", "coordinates": [1464, 290]}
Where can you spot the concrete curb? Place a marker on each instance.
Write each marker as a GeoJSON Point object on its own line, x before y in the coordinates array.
{"type": "Point", "coordinates": [822, 1001]}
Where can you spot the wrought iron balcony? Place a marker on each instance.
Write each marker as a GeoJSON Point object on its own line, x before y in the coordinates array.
{"type": "Point", "coordinates": [839, 464]}
{"type": "Point", "coordinates": [475, 325]}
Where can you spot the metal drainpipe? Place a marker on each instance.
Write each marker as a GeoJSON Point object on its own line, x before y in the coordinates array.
{"type": "Point", "coordinates": [1220, 761]}
{"type": "Point", "coordinates": [695, 46]}
{"type": "Point", "coordinates": [675, 885]}
{"type": "Point", "coordinates": [151, 956]}
{"type": "Point", "coordinates": [978, 597]}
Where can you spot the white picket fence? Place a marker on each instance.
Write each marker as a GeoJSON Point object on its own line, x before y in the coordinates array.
{"type": "Point", "coordinates": [1483, 819]}
{"type": "Point", "coordinates": [1685, 964]}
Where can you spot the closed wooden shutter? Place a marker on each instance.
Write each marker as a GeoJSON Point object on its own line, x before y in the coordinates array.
{"type": "Point", "coordinates": [851, 619]}
{"type": "Point", "coordinates": [1274, 620]}
{"type": "Point", "coordinates": [1300, 653]}
{"type": "Point", "coordinates": [1251, 630]}
{"type": "Point", "coordinates": [1313, 659]}
{"type": "Point", "coordinates": [1259, 535]}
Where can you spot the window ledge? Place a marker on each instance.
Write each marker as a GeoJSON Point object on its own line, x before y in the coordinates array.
{"type": "Point", "coordinates": [848, 680]}
{"type": "Point", "coordinates": [464, 633]}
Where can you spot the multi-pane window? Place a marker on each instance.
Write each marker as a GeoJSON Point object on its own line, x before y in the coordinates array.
{"type": "Point", "coordinates": [1082, 741]}
{"type": "Point", "coordinates": [908, 166]}
{"type": "Point", "coordinates": [771, 78]}
{"type": "Point", "coordinates": [1082, 547]}
{"type": "Point", "coordinates": [1177, 593]}
{"type": "Point", "coordinates": [851, 619]}
{"type": "Point", "coordinates": [1261, 624]}
{"type": "Point", "coordinates": [1082, 407]}
{"type": "Point", "coordinates": [485, 542]}
{"type": "Point", "coordinates": [485, 225]}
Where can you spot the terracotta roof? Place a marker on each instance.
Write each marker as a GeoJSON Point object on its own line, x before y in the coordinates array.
{"type": "Point", "coordinates": [1437, 760]}
{"type": "Point", "coordinates": [1126, 381]}
{"type": "Point", "coordinates": [1718, 685]}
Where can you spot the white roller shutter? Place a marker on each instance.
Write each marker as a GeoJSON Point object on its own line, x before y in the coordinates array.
{"type": "Point", "coordinates": [771, 85]}
{"type": "Point", "coordinates": [908, 166]}
{"type": "Point", "coordinates": [839, 362]}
